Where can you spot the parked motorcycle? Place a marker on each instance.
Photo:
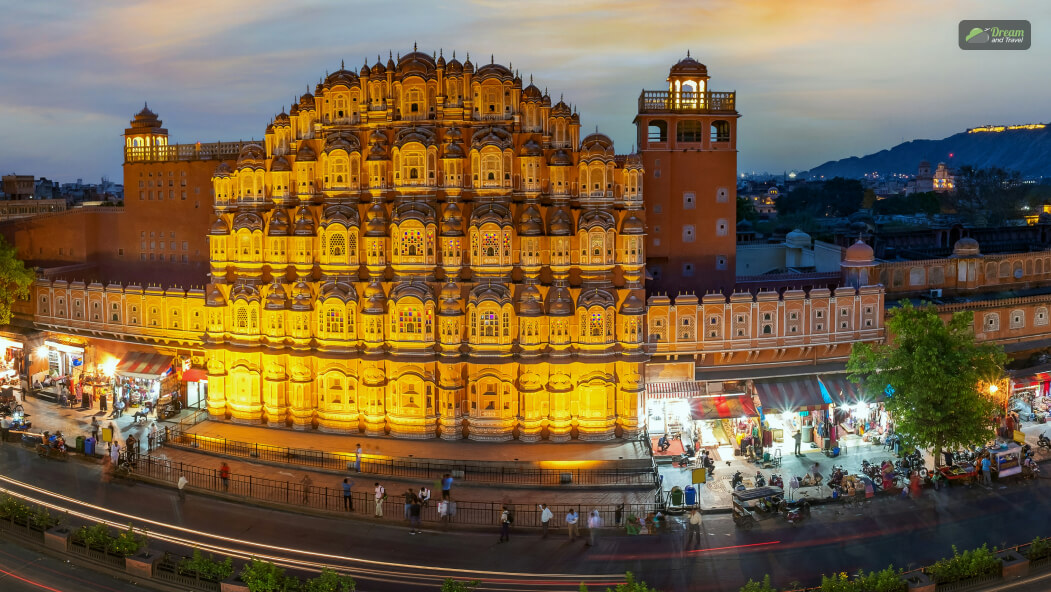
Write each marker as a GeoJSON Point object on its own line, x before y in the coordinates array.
{"type": "Point", "coordinates": [776, 481]}
{"type": "Point", "coordinates": [760, 480]}
{"type": "Point", "coordinates": [737, 481]}
{"type": "Point", "coordinates": [1043, 442]}
{"type": "Point", "coordinates": [795, 511]}
{"type": "Point", "coordinates": [682, 460]}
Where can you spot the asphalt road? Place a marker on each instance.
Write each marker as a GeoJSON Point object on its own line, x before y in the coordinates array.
{"type": "Point", "coordinates": [23, 570]}
{"type": "Point", "coordinates": [384, 556]}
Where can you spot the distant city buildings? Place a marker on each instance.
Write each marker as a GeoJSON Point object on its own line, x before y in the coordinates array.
{"type": "Point", "coordinates": [25, 196]}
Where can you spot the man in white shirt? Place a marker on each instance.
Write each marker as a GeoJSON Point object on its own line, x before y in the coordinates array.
{"type": "Point", "coordinates": [545, 518]}
{"type": "Point", "coordinates": [5, 427]}
{"type": "Point", "coordinates": [693, 527]}
{"type": "Point", "coordinates": [182, 487]}
{"type": "Point", "coordinates": [571, 525]}
{"type": "Point", "coordinates": [594, 524]}
{"type": "Point", "coordinates": [381, 494]}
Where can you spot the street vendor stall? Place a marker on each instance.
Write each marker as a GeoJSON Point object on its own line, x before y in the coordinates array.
{"type": "Point", "coordinates": [1007, 461]}
{"type": "Point", "coordinates": [141, 378]}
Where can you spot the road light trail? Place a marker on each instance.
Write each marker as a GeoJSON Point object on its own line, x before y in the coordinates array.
{"type": "Point", "coordinates": [367, 569]}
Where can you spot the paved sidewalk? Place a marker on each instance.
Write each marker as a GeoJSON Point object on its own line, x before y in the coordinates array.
{"type": "Point", "coordinates": [467, 450]}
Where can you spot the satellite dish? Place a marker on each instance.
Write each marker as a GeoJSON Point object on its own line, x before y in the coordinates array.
{"type": "Point", "coordinates": [1018, 274]}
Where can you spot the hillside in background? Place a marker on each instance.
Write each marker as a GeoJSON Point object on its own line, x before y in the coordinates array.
{"type": "Point", "coordinates": [1023, 150]}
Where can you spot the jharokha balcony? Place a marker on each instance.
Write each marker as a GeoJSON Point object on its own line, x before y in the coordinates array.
{"type": "Point", "coordinates": [667, 101]}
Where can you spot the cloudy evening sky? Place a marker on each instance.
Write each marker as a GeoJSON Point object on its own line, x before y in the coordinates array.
{"type": "Point", "coordinates": [816, 79]}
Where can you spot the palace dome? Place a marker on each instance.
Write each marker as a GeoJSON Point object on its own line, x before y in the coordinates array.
{"type": "Point", "coordinates": [688, 67]}
{"type": "Point", "coordinates": [559, 223]}
{"type": "Point", "coordinates": [280, 165]}
{"type": "Point", "coordinates": [276, 299]}
{"type": "Point", "coordinates": [530, 223]}
{"type": "Point", "coordinates": [632, 225]}
{"type": "Point", "coordinates": [452, 220]}
{"type": "Point", "coordinates": [966, 247]}
{"type": "Point", "coordinates": [798, 239]}
{"type": "Point", "coordinates": [561, 109]}
{"type": "Point", "coordinates": [219, 227]}
{"type": "Point", "coordinates": [278, 223]}
{"type": "Point", "coordinates": [560, 158]}
{"type": "Point", "coordinates": [376, 220]}
{"type": "Point", "coordinates": [531, 93]}
{"type": "Point", "coordinates": [858, 255]}
{"type": "Point", "coordinates": [305, 153]}
{"type": "Point", "coordinates": [632, 306]}
{"type": "Point", "coordinates": [304, 222]}
{"type": "Point", "coordinates": [559, 302]}
{"type": "Point", "coordinates": [529, 302]}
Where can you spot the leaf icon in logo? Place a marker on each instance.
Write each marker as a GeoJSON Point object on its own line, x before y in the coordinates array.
{"type": "Point", "coordinates": [977, 35]}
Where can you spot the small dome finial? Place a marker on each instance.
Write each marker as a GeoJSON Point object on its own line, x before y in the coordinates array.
{"type": "Point", "coordinates": [414, 46]}
{"type": "Point", "coordinates": [530, 79]}
{"type": "Point", "coordinates": [687, 53]}
{"type": "Point", "coordinates": [341, 67]}
{"type": "Point", "coordinates": [492, 59]}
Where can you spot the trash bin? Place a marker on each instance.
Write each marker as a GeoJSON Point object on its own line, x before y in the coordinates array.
{"type": "Point", "coordinates": [89, 446]}
{"type": "Point", "coordinates": [80, 443]}
{"type": "Point", "coordinates": [691, 495]}
{"type": "Point", "coordinates": [107, 434]}
{"type": "Point", "coordinates": [676, 496]}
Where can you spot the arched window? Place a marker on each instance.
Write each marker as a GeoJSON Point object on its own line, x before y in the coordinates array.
{"type": "Point", "coordinates": [689, 130]}
{"type": "Point", "coordinates": [337, 245]}
{"type": "Point", "coordinates": [657, 131]}
{"type": "Point", "coordinates": [720, 131]}
{"type": "Point", "coordinates": [596, 324]}
{"type": "Point", "coordinates": [490, 325]}
{"type": "Point", "coordinates": [410, 321]}
{"type": "Point", "coordinates": [333, 321]}
{"type": "Point", "coordinates": [242, 319]}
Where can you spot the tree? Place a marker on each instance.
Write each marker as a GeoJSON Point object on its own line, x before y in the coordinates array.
{"type": "Point", "coordinates": [934, 374]}
{"type": "Point", "coordinates": [832, 198]}
{"type": "Point", "coordinates": [451, 585]}
{"type": "Point", "coordinates": [15, 280]}
{"type": "Point", "coordinates": [630, 584]}
{"type": "Point", "coordinates": [746, 210]}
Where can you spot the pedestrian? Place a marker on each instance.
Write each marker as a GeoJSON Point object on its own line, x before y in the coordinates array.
{"type": "Point", "coordinates": [5, 427]}
{"type": "Point", "coordinates": [447, 486]}
{"type": "Point", "coordinates": [151, 437]}
{"type": "Point", "coordinates": [915, 485]}
{"type": "Point", "coordinates": [307, 483]}
{"type": "Point", "coordinates": [545, 518]}
{"type": "Point", "coordinates": [357, 459]}
{"type": "Point", "coordinates": [114, 452]}
{"type": "Point", "coordinates": [380, 494]}
{"type": "Point", "coordinates": [798, 437]}
{"type": "Point", "coordinates": [505, 525]}
{"type": "Point", "coordinates": [443, 511]}
{"type": "Point", "coordinates": [424, 495]}
{"type": "Point", "coordinates": [693, 527]}
{"type": "Point", "coordinates": [348, 499]}
{"type": "Point", "coordinates": [618, 514]}
{"type": "Point", "coordinates": [571, 524]}
{"type": "Point", "coordinates": [409, 497]}
{"type": "Point", "coordinates": [594, 524]}
{"type": "Point", "coordinates": [103, 403]}
{"type": "Point", "coordinates": [987, 477]}
{"type": "Point", "coordinates": [182, 487]}
{"type": "Point", "coordinates": [414, 516]}
{"type": "Point", "coordinates": [95, 428]}
{"type": "Point", "coordinates": [224, 474]}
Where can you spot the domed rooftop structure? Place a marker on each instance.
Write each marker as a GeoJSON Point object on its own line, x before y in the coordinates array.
{"type": "Point", "coordinates": [219, 226]}
{"type": "Point", "coordinates": [417, 63]}
{"type": "Point", "coordinates": [560, 158]}
{"type": "Point", "coordinates": [301, 296]}
{"type": "Point", "coordinates": [146, 120]}
{"type": "Point", "coordinates": [797, 239]}
{"type": "Point", "coordinates": [529, 304]}
{"type": "Point", "coordinates": [223, 170]}
{"type": "Point", "coordinates": [278, 223]}
{"type": "Point", "coordinates": [858, 255]}
{"type": "Point", "coordinates": [305, 153]}
{"type": "Point", "coordinates": [276, 299]}
{"type": "Point", "coordinates": [559, 223]}
{"type": "Point", "coordinates": [597, 144]}
{"type": "Point", "coordinates": [304, 225]}
{"type": "Point", "coordinates": [632, 225]}
{"type": "Point", "coordinates": [559, 302]}
{"type": "Point", "coordinates": [215, 297]}
{"type": "Point", "coordinates": [632, 306]}
{"type": "Point", "coordinates": [561, 109]}
{"type": "Point", "coordinates": [530, 148]}
{"type": "Point", "coordinates": [376, 220]}
{"type": "Point", "coordinates": [453, 150]}
{"type": "Point", "coordinates": [531, 93]}
{"type": "Point", "coordinates": [280, 165]}
{"type": "Point", "coordinates": [966, 247]}
{"type": "Point", "coordinates": [688, 67]}
{"type": "Point", "coordinates": [452, 220]}
{"type": "Point", "coordinates": [530, 223]}
{"type": "Point", "coordinates": [493, 70]}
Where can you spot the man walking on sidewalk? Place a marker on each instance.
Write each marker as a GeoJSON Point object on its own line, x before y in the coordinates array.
{"type": "Point", "coordinates": [182, 487]}
{"type": "Point", "coordinates": [151, 437]}
{"type": "Point", "coordinates": [357, 459]}
{"type": "Point", "coordinates": [798, 437]}
{"type": "Point", "coordinates": [545, 518]}
{"type": "Point", "coordinates": [693, 527]}
{"type": "Point", "coordinates": [447, 486]}
{"type": "Point", "coordinates": [380, 494]}
{"type": "Point", "coordinates": [594, 524]}
{"type": "Point", "coordinates": [505, 525]}
{"type": "Point", "coordinates": [348, 500]}
{"type": "Point", "coordinates": [307, 484]}
{"type": "Point", "coordinates": [571, 525]}
{"type": "Point", "coordinates": [224, 474]}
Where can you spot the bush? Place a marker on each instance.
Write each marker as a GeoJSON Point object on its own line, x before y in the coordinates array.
{"type": "Point", "coordinates": [94, 537]}
{"type": "Point", "coordinates": [961, 566]}
{"type": "Point", "coordinates": [754, 586]}
{"type": "Point", "coordinates": [206, 567]}
{"type": "Point", "coordinates": [42, 519]}
{"type": "Point", "coordinates": [330, 581]}
{"type": "Point", "coordinates": [98, 537]}
{"type": "Point", "coordinates": [125, 544]}
{"type": "Point", "coordinates": [451, 585]}
{"type": "Point", "coordinates": [263, 576]}
{"type": "Point", "coordinates": [13, 509]}
{"type": "Point", "coordinates": [887, 580]}
{"type": "Point", "coordinates": [1038, 549]}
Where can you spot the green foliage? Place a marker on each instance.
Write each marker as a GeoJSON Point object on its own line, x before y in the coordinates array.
{"type": "Point", "coordinates": [1038, 549]}
{"type": "Point", "coordinates": [746, 210]}
{"type": "Point", "coordinates": [15, 280]}
{"type": "Point", "coordinates": [42, 519]}
{"type": "Point", "coordinates": [206, 567]}
{"type": "Point", "coordinates": [936, 371]}
{"type": "Point", "coordinates": [961, 566]}
{"type": "Point", "coordinates": [991, 195]}
{"type": "Point", "coordinates": [918, 203]}
{"type": "Point", "coordinates": [95, 536]}
{"type": "Point", "coordinates": [451, 585]}
{"type": "Point", "coordinates": [887, 580]}
{"type": "Point", "coordinates": [14, 509]}
{"type": "Point", "coordinates": [763, 586]}
{"type": "Point", "coordinates": [631, 585]}
{"type": "Point", "coordinates": [263, 576]}
{"type": "Point", "coordinates": [127, 543]}
{"type": "Point", "coordinates": [330, 581]}
{"type": "Point", "coordinates": [832, 198]}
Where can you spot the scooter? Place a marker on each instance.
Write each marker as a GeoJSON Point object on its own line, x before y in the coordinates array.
{"type": "Point", "coordinates": [737, 481]}
{"type": "Point", "coordinates": [776, 481]}
{"type": "Point", "coordinates": [795, 512]}
{"type": "Point", "coordinates": [760, 480]}
{"type": "Point", "coordinates": [1043, 442]}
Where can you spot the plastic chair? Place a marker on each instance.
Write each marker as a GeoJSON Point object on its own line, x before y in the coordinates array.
{"type": "Point", "coordinates": [777, 458]}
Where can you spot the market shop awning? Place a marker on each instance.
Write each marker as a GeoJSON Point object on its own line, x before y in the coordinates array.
{"type": "Point", "coordinates": [798, 394]}
{"type": "Point", "coordinates": [674, 390]}
{"type": "Point", "coordinates": [722, 407]}
{"type": "Point", "coordinates": [194, 375]}
{"type": "Point", "coordinates": [843, 391]}
{"type": "Point", "coordinates": [145, 365]}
